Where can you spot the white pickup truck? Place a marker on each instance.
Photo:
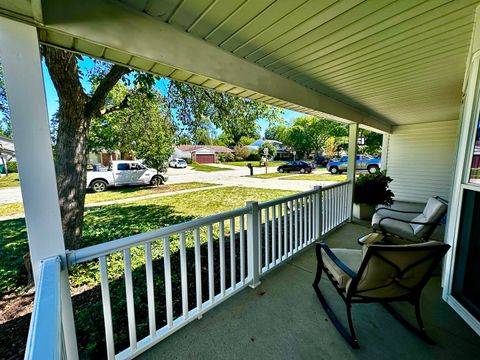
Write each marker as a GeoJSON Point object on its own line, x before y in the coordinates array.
{"type": "Point", "coordinates": [121, 173]}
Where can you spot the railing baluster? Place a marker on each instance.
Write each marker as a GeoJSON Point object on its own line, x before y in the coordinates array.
{"type": "Point", "coordinates": [107, 308]}
{"type": "Point", "coordinates": [296, 225]}
{"type": "Point", "coordinates": [183, 275]}
{"type": "Point", "coordinates": [310, 218]}
{"type": "Point", "coordinates": [242, 248]}
{"type": "Point", "coordinates": [274, 233]}
{"type": "Point", "coordinates": [211, 284]}
{"type": "Point", "coordinates": [300, 223]}
{"type": "Point", "coordinates": [285, 239]}
{"type": "Point", "coordinates": [279, 237]}
{"type": "Point", "coordinates": [150, 292]}
{"type": "Point", "coordinates": [198, 269]}
{"type": "Point", "coordinates": [233, 273]}
{"type": "Point", "coordinates": [305, 222]}
{"type": "Point", "coordinates": [260, 240]}
{"type": "Point", "coordinates": [127, 263]}
{"type": "Point", "coordinates": [267, 239]}
{"type": "Point", "coordinates": [222, 257]}
{"type": "Point", "coordinates": [168, 281]}
{"type": "Point", "coordinates": [291, 226]}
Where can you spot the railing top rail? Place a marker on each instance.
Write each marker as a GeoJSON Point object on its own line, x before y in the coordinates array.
{"type": "Point", "coordinates": [95, 251]}
{"type": "Point", "coordinates": [336, 185]}
{"type": "Point", "coordinates": [45, 333]}
{"type": "Point", "coordinates": [284, 199]}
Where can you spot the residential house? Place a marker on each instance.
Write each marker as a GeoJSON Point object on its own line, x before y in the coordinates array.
{"type": "Point", "coordinates": [283, 152]}
{"type": "Point", "coordinates": [203, 154]}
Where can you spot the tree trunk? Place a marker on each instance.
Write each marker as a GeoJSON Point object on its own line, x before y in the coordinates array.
{"type": "Point", "coordinates": [70, 166]}
{"type": "Point", "coordinates": [76, 109]}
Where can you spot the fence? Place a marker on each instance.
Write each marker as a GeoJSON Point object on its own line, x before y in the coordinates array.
{"type": "Point", "coordinates": [186, 269]}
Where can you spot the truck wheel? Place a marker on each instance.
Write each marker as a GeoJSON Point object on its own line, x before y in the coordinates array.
{"type": "Point", "coordinates": [281, 170]}
{"type": "Point", "coordinates": [98, 186]}
{"type": "Point", "coordinates": [372, 169]}
{"type": "Point", "coordinates": [334, 170]}
{"type": "Point", "coordinates": [156, 180]}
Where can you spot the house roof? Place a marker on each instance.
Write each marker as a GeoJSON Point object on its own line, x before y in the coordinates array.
{"type": "Point", "coordinates": [215, 148]}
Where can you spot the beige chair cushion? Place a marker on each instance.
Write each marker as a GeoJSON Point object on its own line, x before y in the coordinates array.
{"type": "Point", "coordinates": [432, 212]}
{"type": "Point", "coordinates": [381, 280]}
{"type": "Point", "coordinates": [351, 258]}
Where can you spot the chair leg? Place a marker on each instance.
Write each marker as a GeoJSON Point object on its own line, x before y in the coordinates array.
{"type": "Point", "coordinates": [421, 333]}
{"type": "Point", "coordinates": [350, 337]}
{"type": "Point", "coordinates": [318, 276]}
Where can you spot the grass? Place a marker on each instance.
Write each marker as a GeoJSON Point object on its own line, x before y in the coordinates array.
{"type": "Point", "coordinates": [10, 180]}
{"type": "Point", "coordinates": [270, 175]}
{"type": "Point", "coordinates": [254, 163]}
{"type": "Point", "coordinates": [317, 177]}
{"type": "Point", "coordinates": [208, 168]}
{"type": "Point", "coordinates": [114, 194]}
{"type": "Point", "coordinates": [105, 223]}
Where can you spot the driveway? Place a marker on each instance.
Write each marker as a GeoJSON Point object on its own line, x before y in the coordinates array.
{"type": "Point", "coordinates": [237, 176]}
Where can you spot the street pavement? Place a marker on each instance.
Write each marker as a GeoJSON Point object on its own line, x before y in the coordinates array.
{"type": "Point", "coordinates": [238, 176]}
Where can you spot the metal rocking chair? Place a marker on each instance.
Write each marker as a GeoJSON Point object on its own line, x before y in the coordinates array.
{"type": "Point", "coordinates": [378, 273]}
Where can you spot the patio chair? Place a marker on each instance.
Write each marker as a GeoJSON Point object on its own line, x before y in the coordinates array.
{"type": "Point", "coordinates": [378, 273]}
{"type": "Point", "coordinates": [410, 226]}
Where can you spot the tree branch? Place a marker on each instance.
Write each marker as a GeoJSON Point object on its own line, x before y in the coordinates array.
{"type": "Point", "coordinates": [98, 98]}
{"type": "Point", "coordinates": [63, 69]}
{"type": "Point", "coordinates": [121, 106]}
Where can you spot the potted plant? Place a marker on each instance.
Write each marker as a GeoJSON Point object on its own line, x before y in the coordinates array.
{"type": "Point", "coordinates": [371, 190]}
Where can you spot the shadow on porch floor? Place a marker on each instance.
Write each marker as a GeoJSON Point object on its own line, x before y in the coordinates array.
{"type": "Point", "coordinates": [283, 319]}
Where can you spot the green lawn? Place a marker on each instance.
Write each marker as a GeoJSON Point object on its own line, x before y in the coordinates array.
{"type": "Point", "coordinates": [208, 168]}
{"type": "Point", "coordinates": [10, 180]}
{"type": "Point", "coordinates": [317, 177]}
{"type": "Point", "coordinates": [114, 194]}
{"type": "Point", "coordinates": [255, 163]}
{"type": "Point", "coordinates": [270, 175]}
{"type": "Point", "coordinates": [105, 223]}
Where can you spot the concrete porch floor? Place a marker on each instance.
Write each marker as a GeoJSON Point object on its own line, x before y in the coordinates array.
{"type": "Point", "coordinates": [283, 319]}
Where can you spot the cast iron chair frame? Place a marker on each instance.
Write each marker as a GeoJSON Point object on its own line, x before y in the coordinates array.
{"type": "Point", "coordinates": [351, 296]}
{"type": "Point", "coordinates": [428, 233]}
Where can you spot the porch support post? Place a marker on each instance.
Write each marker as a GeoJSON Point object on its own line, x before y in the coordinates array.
{"type": "Point", "coordinates": [385, 146]}
{"type": "Point", "coordinates": [20, 56]}
{"type": "Point", "coordinates": [352, 164]}
{"type": "Point", "coordinates": [253, 241]}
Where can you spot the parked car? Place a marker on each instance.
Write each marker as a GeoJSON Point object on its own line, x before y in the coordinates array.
{"type": "Point", "coordinates": [121, 173]}
{"type": "Point", "coordinates": [321, 160]}
{"type": "Point", "coordinates": [364, 162]}
{"type": "Point", "coordinates": [298, 165]}
{"type": "Point", "coordinates": [177, 163]}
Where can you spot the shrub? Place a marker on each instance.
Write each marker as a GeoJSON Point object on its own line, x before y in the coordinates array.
{"type": "Point", "coordinates": [254, 156]}
{"type": "Point", "coordinates": [12, 167]}
{"type": "Point", "coordinates": [372, 189]}
{"type": "Point", "coordinates": [272, 150]}
{"type": "Point", "coordinates": [241, 152]}
{"type": "Point", "coordinates": [223, 157]}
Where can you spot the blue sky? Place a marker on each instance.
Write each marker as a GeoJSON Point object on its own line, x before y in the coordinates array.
{"type": "Point", "coordinates": [87, 64]}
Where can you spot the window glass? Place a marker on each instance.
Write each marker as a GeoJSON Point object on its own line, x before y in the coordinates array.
{"type": "Point", "coordinates": [475, 166]}
{"type": "Point", "coordinates": [123, 166]}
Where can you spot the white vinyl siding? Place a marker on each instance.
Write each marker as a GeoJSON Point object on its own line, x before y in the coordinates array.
{"type": "Point", "coordinates": [421, 160]}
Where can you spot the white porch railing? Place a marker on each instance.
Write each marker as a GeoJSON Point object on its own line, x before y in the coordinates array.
{"type": "Point", "coordinates": [45, 340]}
{"type": "Point", "coordinates": [237, 247]}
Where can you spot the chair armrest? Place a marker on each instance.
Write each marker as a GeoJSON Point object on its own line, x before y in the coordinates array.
{"type": "Point", "coordinates": [337, 261]}
{"type": "Point", "coordinates": [398, 211]}
{"type": "Point", "coordinates": [405, 221]}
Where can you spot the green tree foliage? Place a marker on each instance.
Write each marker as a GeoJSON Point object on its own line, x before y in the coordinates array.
{"type": "Point", "coordinates": [310, 134]}
{"type": "Point", "coordinates": [373, 142]}
{"type": "Point", "coordinates": [235, 116]}
{"type": "Point", "coordinates": [272, 150]}
{"type": "Point", "coordinates": [246, 140]}
{"type": "Point", "coordinates": [241, 152]}
{"type": "Point", "coordinates": [276, 132]}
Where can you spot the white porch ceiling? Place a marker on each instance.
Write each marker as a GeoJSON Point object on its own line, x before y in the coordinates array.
{"type": "Point", "coordinates": [380, 63]}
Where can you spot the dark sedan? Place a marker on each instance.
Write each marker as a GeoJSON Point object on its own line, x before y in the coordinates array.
{"type": "Point", "coordinates": [301, 166]}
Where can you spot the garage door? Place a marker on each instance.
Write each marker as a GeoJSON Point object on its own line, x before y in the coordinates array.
{"type": "Point", "coordinates": [205, 158]}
